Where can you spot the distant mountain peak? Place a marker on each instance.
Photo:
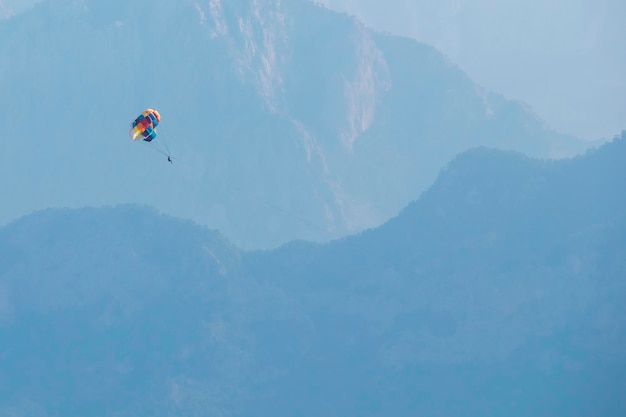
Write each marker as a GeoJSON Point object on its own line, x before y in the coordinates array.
{"type": "Point", "coordinates": [288, 120]}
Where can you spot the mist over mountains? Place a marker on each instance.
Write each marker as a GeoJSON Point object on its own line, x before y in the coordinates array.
{"type": "Point", "coordinates": [565, 59]}
{"type": "Point", "coordinates": [287, 120]}
{"type": "Point", "coordinates": [351, 225]}
{"type": "Point", "coordinates": [498, 292]}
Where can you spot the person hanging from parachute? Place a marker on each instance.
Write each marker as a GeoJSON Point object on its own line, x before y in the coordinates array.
{"type": "Point", "coordinates": [143, 128]}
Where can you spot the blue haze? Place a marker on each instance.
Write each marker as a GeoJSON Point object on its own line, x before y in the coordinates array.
{"type": "Point", "coordinates": [565, 59]}
{"type": "Point", "coordinates": [351, 225]}
{"type": "Point", "coordinates": [480, 298]}
{"type": "Point", "coordinates": [286, 120]}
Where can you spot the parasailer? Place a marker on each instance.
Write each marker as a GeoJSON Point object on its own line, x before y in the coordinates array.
{"type": "Point", "coordinates": [143, 128]}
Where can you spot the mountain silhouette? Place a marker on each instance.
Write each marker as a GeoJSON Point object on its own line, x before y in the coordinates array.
{"type": "Point", "coordinates": [498, 292]}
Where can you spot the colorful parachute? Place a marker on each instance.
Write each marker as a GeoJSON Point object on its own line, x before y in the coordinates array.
{"type": "Point", "coordinates": [144, 126]}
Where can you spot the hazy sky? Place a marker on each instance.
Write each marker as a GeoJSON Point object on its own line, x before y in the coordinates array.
{"type": "Point", "coordinates": [565, 58]}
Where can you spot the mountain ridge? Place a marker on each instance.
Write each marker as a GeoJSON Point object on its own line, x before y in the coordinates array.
{"type": "Point", "coordinates": [289, 103]}
{"type": "Point", "coordinates": [126, 311]}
